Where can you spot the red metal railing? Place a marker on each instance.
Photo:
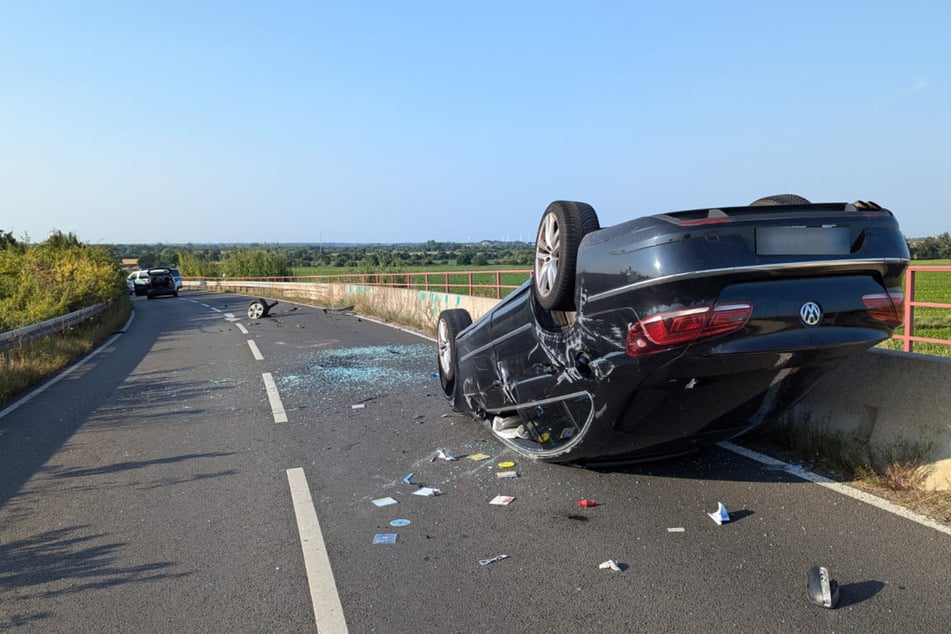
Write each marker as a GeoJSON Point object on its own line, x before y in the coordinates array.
{"type": "Point", "coordinates": [908, 337]}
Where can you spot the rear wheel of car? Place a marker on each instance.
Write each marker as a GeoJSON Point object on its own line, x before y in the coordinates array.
{"type": "Point", "coordinates": [451, 323]}
{"type": "Point", "coordinates": [257, 309]}
{"type": "Point", "coordinates": [560, 231]}
{"type": "Point", "coordinates": [779, 199]}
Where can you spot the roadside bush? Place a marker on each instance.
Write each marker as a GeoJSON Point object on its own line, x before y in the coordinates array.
{"type": "Point", "coordinates": [255, 263]}
{"type": "Point", "coordinates": [53, 278]}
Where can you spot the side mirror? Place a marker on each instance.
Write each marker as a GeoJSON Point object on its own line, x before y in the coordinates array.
{"type": "Point", "coordinates": [822, 588]}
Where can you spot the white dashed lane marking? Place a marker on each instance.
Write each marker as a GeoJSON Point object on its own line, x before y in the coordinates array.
{"type": "Point", "coordinates": [328, 611]}
{"type": "Point", "coordinates": [277, 407]}
{"type": "Point", "coordinates": [243, 330]}
{"type": "Point", "coordinates": [254, 350]}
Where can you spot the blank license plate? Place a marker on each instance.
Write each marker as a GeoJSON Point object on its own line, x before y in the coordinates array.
{"type": "Point", "coordinates": [803, 241]}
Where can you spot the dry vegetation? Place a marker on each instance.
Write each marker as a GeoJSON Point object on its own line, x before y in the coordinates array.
{"type": "Point", "coordinates": [31, 364]}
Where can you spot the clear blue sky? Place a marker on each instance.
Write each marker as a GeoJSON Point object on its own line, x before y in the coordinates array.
{"type": "Point", "coordinates": [403, 120]}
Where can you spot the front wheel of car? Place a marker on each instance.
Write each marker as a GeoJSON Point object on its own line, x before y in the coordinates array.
{"type": "Point", "coordinates": [560, 231]}
{"type": "Point", "coordinates": [451, 323]}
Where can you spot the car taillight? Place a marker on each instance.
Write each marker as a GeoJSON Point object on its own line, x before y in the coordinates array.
{"type": "Point", "coordinates": [679, 327]}
{"type": "Point", "coordinates": [887, 307]}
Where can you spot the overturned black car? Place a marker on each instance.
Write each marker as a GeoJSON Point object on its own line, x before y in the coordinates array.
{"type": "Point", "coordinates": [659, 335]}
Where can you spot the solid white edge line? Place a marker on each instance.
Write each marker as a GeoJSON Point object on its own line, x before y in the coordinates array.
{"type": "Point", "coordinates": [328, 611]}
{"type": "Point", "coordinates": [243, 330]}
{"type": "Point", "coordinates": [67, 371]}
{"type": "Point", "coordinates": [838, 487]}
{"type": "Point", "coordinates": [254, 350]}
{"type": "Point", "coordinates": [274, 398]}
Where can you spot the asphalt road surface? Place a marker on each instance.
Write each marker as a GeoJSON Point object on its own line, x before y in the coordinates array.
{"type": "Point", "coordinates": [206, 473]}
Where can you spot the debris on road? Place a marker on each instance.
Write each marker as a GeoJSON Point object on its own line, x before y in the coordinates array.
{"type": "Point", "coordinates": [720, 515]}
{"type": "Point", "coordinates": [384, 538]}
{"type": "Point", "coordinates": [478, 457]}
{"type": "Point", "coordinates": [444, 455]}
{"type": "Point", "coordinates": [677, 529]}
{"type": "Point", "coordinates": [384, 501]}
{"type": "Point", "coordinates": [359, 406]}
{"type": "Point", "coordinates": [502, 500]}
{"type": "Point", "coordinates": [586, 504]}
{"type": "Point", "coordinates": [400, 523]}
{"type": "Point", "coordinates": [508, 464]}
{"type": "Point", "coordinates": [427, 492]}
{"type": "Point", "coordinates": [408, 478]}
{"type": "Point", "coordinates": [506, 474]}
{"type": "Point", "coordinates": [613, 565]}
{"type": "Point", "coordinates": [822, 588]}
{"type": "Point", "coordinates": [490, 560]}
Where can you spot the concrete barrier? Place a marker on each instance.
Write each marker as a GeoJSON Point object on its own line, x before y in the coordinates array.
{"type": "Point", "coordinates": [886, 404]}
{"type": "Point", "coordinates": [416, 308]}
{"type": "Point", "coordinates": [881, 403]}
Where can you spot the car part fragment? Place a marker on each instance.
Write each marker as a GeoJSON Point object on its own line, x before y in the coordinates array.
{"type": "Point", "coordinates": [822, 588]}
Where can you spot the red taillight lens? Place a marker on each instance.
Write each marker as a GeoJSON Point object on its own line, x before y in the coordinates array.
{"type": "Point", "coordinates": [678, 327]}
{"type": "Point", "coordinates": [887, 307]}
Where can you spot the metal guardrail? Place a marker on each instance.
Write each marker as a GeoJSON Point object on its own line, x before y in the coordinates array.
{"type": "Point", "coordinates": [16, 338]}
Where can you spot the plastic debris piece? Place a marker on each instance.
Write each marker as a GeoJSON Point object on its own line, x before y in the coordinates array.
{"type": "Point", "coordinates": [445, 455]}
{"type": "Point", "coordinates": [409, 476]}
{"type": "Point", "coordinates": [677, 529]}
{"type": "Point", "coordinates": [385, 538]}
{"type": "Point", "coordinates": [586, 504]}
{"type": "Point", "coordinates": [720, 515]}
{"type": "Point", "coordinates": [610, 563]}
{"type": "Point", "coordinates": [478, 457]}
{"type": "Point", "coordinates": [359, 406]}
{"type": "Point", "coordinates": [822, 588]}
{"type": "Point", "coordinates": [400, 523]}
{"type": "Point", "coordinates": [502, 500]}
{"type": "Point", "coordinates": [427, 492]}
{"type": "Point", "coordinates": [506, 474]}
{"type": "Point", "coordinates": [492, 560]}
{"type": "Point", "coordinates": [508, 464]}
{"type": "Point", "coordinates": [384, 501]}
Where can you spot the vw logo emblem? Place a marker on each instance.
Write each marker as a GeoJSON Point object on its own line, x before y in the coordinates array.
{"type": "Point", "coordinates": [810, 313]}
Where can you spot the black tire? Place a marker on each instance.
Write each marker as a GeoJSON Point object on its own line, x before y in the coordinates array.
{"type": "Point", "coordinates": [257, 309]}
{"type": "Point", "coordinates": [450, 324]}
{"type": "Point", "coordinates": [560, 231]}
{"type": "Point", "coordinates": [779, 199]}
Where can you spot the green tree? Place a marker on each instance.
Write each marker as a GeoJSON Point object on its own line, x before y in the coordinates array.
{"type": "Point", "coordinates": [244, 262]}
{"type": "Point", "coordinates": [197, 264]}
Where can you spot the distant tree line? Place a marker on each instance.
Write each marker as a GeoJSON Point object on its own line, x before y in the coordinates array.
{"type": "Point", "coordinates": [938, 248]}
{"type": "Point", "coordinates": [255, 260]}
